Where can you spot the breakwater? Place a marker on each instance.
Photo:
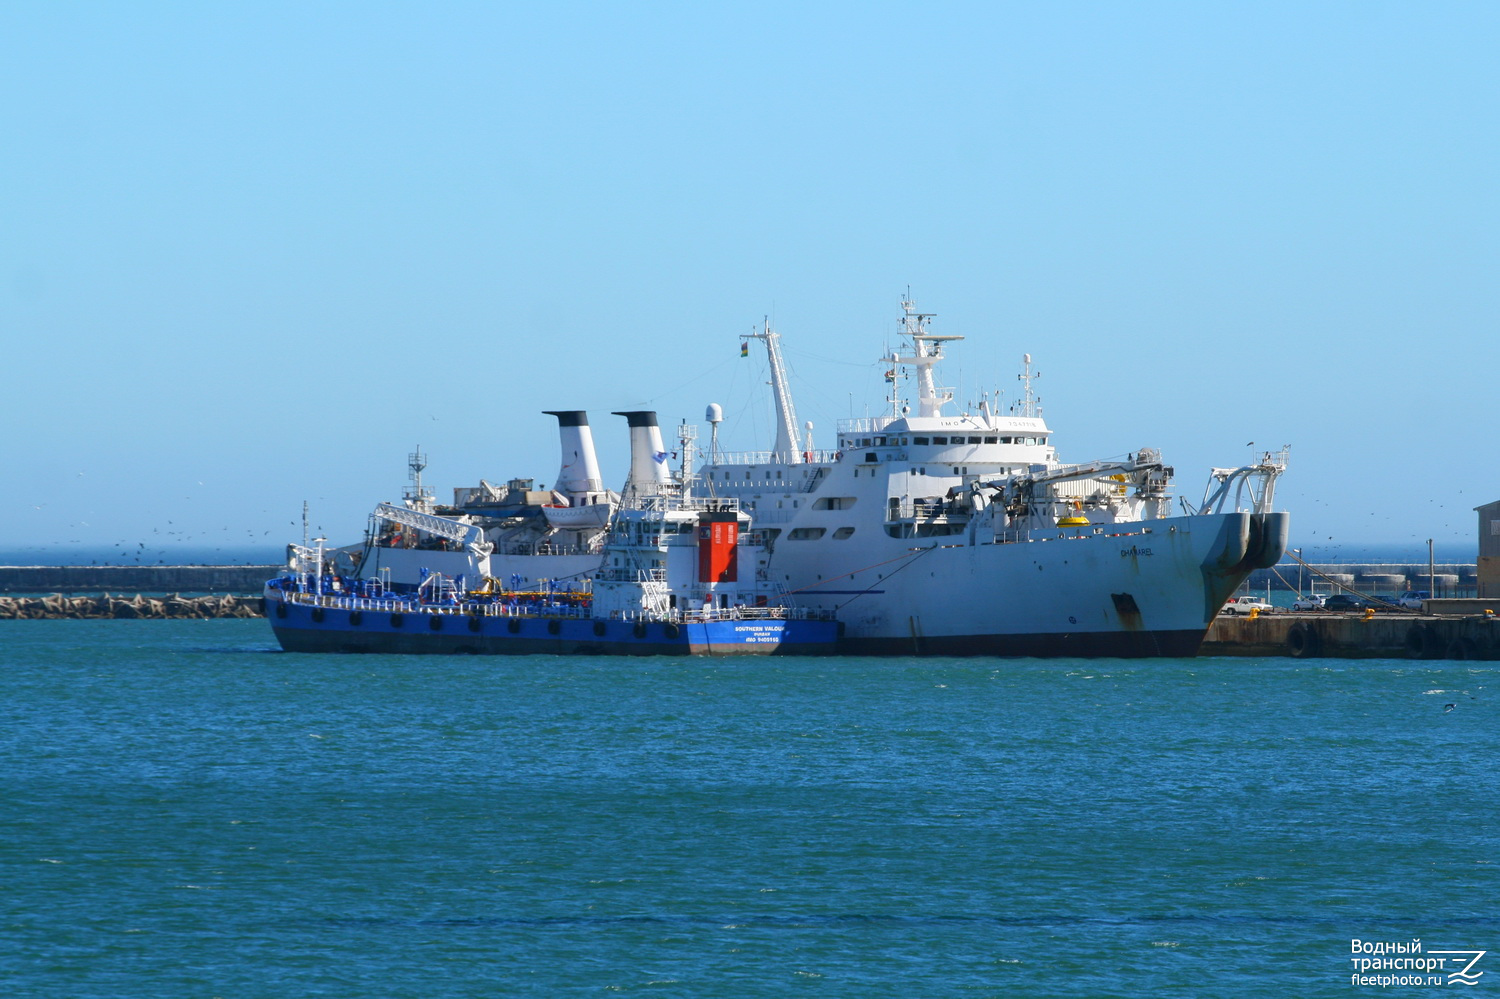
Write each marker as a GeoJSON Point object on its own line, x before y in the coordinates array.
{"type": "Point", "coordinates": [136, 578]}
{"type": "Point", "coordinates": [1448, 579]}
{"type": "Point", "coordinates": [57, 605]}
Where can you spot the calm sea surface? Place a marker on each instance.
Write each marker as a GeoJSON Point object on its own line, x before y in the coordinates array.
{"type": "Point", "coordinates": [188, 812]}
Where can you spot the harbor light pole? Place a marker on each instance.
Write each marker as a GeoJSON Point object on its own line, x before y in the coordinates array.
{"type": "Point", "coordinates": [1431, 576]}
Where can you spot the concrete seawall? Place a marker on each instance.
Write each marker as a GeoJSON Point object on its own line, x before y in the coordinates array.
{"type": "Point", "coordinates": [1353, 636]}
{"type": "Point", "coordinates": [136, 579]}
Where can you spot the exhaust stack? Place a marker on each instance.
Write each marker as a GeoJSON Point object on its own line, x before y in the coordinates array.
{"type": "Point", "coordinates": [648, 457]}
{"type": "Point", "coordinates": [579, 475]}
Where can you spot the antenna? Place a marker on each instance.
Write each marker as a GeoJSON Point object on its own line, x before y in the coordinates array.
{"type": "Point", "coordinates": [714, 414]}
{"type": "Point", "coordinates": [1030, 404]}
{"type": "Point", "coordinates": [416, 497]}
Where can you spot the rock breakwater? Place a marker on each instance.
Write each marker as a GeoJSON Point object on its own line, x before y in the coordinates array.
{"type": "Point", "coordinates": [136, 606]}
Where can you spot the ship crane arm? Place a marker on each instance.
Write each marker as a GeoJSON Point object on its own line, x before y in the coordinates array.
{"type": "Point", "coordinates": [1146, 469]}
{"type": "Point", "coordinates": [470, 535]}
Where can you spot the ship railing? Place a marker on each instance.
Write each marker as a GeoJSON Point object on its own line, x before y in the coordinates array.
{"type": "Point", "coordinates": [811, 456]}
{"type": "Point", "coordinates": [533, 548]}
{"type": "Point", "coordinates": [754, 614]}
{"type": "Point", "coordinates": [865, 424]}
{"type": "Point", "coordinates": [926, 509]}
{"type": "Point", "coordinates": [625, 574]}
{"type": "Point", "coordinates": [404, 605]}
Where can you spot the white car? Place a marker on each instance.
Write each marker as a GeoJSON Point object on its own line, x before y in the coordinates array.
{"type": "Point", "coordinates": [1307, 602]}
{"type": "Point", "coordinates": [1244, 605]}
{"type": "Point", "coordinates": [1412, 599]}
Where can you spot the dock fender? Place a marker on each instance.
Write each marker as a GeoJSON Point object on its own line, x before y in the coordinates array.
{"type": "Point", "coordinates": [1303, 641]}
{"type": "Point", "coordinates": [1422, 642]}
{"type": "Point", "coordinates": [474, 623]}
{"type": "Point", "coordinates": [1461, 649]}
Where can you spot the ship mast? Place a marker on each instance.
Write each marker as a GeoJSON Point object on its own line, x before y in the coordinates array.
{"type": "Point", "coordinates": [926, 350]}
{"type": "Point", "coordinates": [1030, 402]}
{"type": "Point", "coordinates": [416, 497]}
{"type": "Point", "coordinates": [786, 449]}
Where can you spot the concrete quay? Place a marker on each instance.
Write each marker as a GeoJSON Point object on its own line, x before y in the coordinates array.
{"type": "Point", "coordinates": [1311, 635]}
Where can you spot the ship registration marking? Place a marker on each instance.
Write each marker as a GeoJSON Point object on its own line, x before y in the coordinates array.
{"type": "Point", "coordinates": [769, 631]}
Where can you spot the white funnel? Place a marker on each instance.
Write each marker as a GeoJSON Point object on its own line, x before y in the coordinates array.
{"type": "Point", "coordinates": [648, 458]}
{"type": "Point", "coordinates": [580, 465]}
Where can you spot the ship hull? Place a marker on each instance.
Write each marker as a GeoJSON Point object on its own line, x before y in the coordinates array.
{"type": "Point", "coordinates": [333, 627]}
{"type": "Point", "coordinates": [1135, 593]}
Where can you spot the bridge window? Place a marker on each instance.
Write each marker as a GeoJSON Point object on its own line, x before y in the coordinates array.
{"type": "Point", "coordinates": [843, 533]}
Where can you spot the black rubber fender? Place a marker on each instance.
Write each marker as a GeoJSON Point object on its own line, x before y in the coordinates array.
{"type": "Point", "coordinates": [1461, 649]}
{"type": "Point", "coordinates": [1303, 641]}
{"type": "Point", "coordinates": [1421, 642]}
{"type": "Point", "coordinates": [435, 622]}
{"type": "Point", "coordinates": [554, 627]}
{"type": "Point", "coordinates": [474, 623]}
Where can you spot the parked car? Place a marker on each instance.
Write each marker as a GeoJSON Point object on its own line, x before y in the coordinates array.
{"type": "Point", "coordinates": [1244, 605]}
{"type": "Point", "coordinates": [1309, 601]}
{"type": "Point", "coordinates": [1412, 599]}
{"type": "Point", "coordinates": [1344, 602]}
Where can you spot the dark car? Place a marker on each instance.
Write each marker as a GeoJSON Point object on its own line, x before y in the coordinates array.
{"type": "Point", "coordinates": [1344, 602]}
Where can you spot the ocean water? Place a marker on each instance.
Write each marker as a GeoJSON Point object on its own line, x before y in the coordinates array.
{"type": "Point", "coordinates": [188, 812]}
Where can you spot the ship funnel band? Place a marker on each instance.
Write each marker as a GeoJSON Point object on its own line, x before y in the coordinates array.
{"type": "Point", "coordinates": [569, 417]}
{"type": "Point", "coordinates": [640, 417]}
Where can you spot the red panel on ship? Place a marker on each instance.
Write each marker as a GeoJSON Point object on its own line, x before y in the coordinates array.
{"type": "Point", "coordinates": [716, 548]}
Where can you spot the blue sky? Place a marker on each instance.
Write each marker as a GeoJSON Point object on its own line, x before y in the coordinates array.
{"type": "Point", "coordinates": [255, 254]}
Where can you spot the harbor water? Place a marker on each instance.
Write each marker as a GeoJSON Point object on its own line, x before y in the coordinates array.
{"type": "Point", "coordinates": [190, 812]}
